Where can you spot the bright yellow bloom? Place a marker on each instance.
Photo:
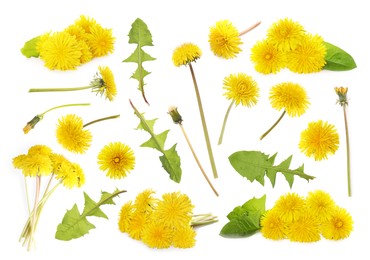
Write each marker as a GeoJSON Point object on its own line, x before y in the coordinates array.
{"type": "Point", "coordinates": [71, 135]}
{"type": "Point", "coordinates": [186, 53]}
{"type": "Point", "coordinates": [85, 23]}
{"type": "Point", "coordinates": [339, 226]}
{"type": "Point", "coordinates": [77, 31]}
{"type": "Point", "coordinates": [104, 83]}
{"type": "Point", "coordinates": [175, 210]}
{"type": "Point", "coordinates": [184, 237]}
{"type": "Point", "coordinates": [304, 229]}
{"type": "Point", "coordinates": [224, 40]}
{"type": "Point", "coordinates": [320, 204]}
{"type": "Point", "coordinates": [145, 202]}
{"type": "Point", "coordinates": [285, 34]}
{"type": "Point", "coordinates": [289, 207]}
{"type": "Point", "coordinates": [60, 51]}
{"type": "Point", "coordinates": [71, 175]}
{"type": "Point", "coordinates": [267, 58]}
{"type": "Point", "coordinates": [319, 140]}
{"type": "Point", "coordinates": [242, 89]}
{"type": "Point", "coordinates": [86, 54]}
{"type": "Point", "coordinates": [125, 217]}
{"type": "Point", "coordinates": [309, 56]}
{"type": "Point", "coordinates": [138, 224]}
{"type": "Point", "coordinates": [289, 96]}
{"type": "Point", "coordinates": [100, 40]}
{"type": "Point", "coordinates": [117, 159]}
{"type": "Point", "coordinates": [157, 235]}
{"type": "Point", "coordinates": [40, 149]}
{"type": "Point", "coordinates": [273, 226]}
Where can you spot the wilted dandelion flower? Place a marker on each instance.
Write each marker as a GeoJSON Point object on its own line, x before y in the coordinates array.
{"type": "Point", "coordinates": [338, 226]}
{"type": "Point", "coordinates": [267, 58]}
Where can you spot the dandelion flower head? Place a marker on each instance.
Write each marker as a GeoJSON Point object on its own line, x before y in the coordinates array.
{"type": "Point", "coordinates": [285, 34]}
{"type": "Point", "coordinates": [186, 53]}
{"type": "Point", "coordinates": [289, 96]}
{"type": "Point", "coordinates": [290, 206]}
{"type": "Point", "coordinates": [339, 226]}
{"type": "Point", "coordinates": [157, 235]}
{"type": "Point", "coordinates": [224, 40]}
{"type": "Point", "coordinates": [125, 216]}
{"type": "Point", "coordinates": [86, 23]}
{"type": "Point", "coordinates": [304, 229]}
{"type": "Point", "coordinates": [320, 204]}
{"type": "Point", "coordinates": [319, 140]}
{"type": "Point", "coordinates": [241, 88]}
{"type": "Point", "coordinates": [267, 58]}
{"type": "Point", "coordinates": [273, 226]}
{"type": "Point", "coordinates": [104, 83]}
{"type": "Point", "coordinates": [101, 41]}
{"type": "Point", "coordinates": [145, 202]}
{"type": "Point", "coordinates": [184, 237]}
{"type": "Point", "coordinates": [138, 223]}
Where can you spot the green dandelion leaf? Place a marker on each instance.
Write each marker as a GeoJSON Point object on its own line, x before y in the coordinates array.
{"type": "Point", "coordinates": [337, 59]}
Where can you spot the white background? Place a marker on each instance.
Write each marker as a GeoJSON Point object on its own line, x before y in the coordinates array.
{"type": "Point", "coordinates": [343, 23]}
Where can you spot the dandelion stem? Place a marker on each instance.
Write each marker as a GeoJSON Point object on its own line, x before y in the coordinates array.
{"type": "Point", "coordinates": [203, 219]}
{"type": "Point", "coordinates": [33, 222]}
{"type": "Point", "coordinates": [249, 29]}
{"type": "Point", "coordinates": [27, 197]}
{"type": "Point", "coordinates": [224, 123]}
{"type": "Point", "coordinates": [67, 105]}
{"type": "Point", "coordinates": [205, 130]}
{"type": "Point", "coordinates": [348, 153]}
{"type": "Point", "coordinates": [57, 89]}
{"type": "Point", "coordinates": [196, 159]}
{"type": "Point", "coordinates": [101, 119]}
{"type": "Point", "coordinates": [272, 127]}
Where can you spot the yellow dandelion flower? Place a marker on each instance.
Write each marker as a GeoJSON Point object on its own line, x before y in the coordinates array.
{"type": "Point", "coordinates": [77, 31]}
{"type": "Point", "coordinates": [86, 54]}
{"type": "Point", "coordinates": [320, 204]}
{"type": "Point", "coordinates": [117, 159]}
{"type": "Point", "coordinates": [224, 40]}
{"type": "Point", "coordinates": [186, 53]}
{"type": "Point", "coordinates": [309, 56]}
{"type": "Point", "coordinates": [101, 41]}
{"type": "Point", "coordinates": [273, 226]}
{"type": "Point", "coordinates": [319, 140]}
{"type": "Point", "coordinates": [304, 229]}
{"type": "Point", "coordinates": [267, 58]}
{"type": "Point", "coordinates": [104, 83]}
{"type": "Point", "coordinates": [291, 97]}
{"type": "Point", "coordinates": [289, 207]}
{"type": "Point", "coordinates": [339, 226]}
{"type": "Point", "coordinates": [286, 34]}
{"type": "Point", "coordinates": [125, 216]}
{"type": "Point", "coordinates": [57, 160]}
{"type": "Point", "coordinates": [19, 161]}
{"type": "Point", "coordinates": [86, 23]}
{"type": "Point", "coordinates": [175, 210]}
{"type": "Point", "coordinates": [40, 149]}
{"type": "Point", "coordinates": [145, 202]}
{"type": "Point", "coordinates": [137, 225]}
{"type": "Point", "coordinates": [157, 235]}
{"type": "Point", "coordinates": [60, 51]}
{"type": "Point", "coordinates": [71, 134]}
{"type": "Point", "coordinates": [184, 237]}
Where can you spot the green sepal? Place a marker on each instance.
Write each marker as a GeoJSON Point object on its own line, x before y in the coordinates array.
{"type": "Point", "coordinates": [337, 59]}
{"type": "Point", "coordinates": [30, 48]}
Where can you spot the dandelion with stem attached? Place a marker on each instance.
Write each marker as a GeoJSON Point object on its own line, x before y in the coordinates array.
{"type": "Point", "coordinates": [103, 83]}
{"type": "Point", "coordinates": [241, 89]}
{"type": "Point", "coordinates": [31, 124]}
{"type": "Point", "coordinates": [185, 54]}
{"type": "Point", "coordinates": [177, 119]}
{"type": "Point", "coordinates": [343, 101]}
{"type": "Point", "coordinates": [288, 96]}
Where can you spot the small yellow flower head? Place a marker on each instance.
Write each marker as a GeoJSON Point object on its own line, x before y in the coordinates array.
{"type": "Point", "coordinates": [184, 237]}
{"type": "Point", "coordinates": [125, 217]}
{"type": "Point", "coordinates": [273, 226]}
{"type": "Point", "coordinates": [60, 51]}
{"type": "Point", "coordinates": [77, 31]}
{"type": "Point", "coordinates": [145, 202]}
{"type": "Point", "coordinates": [57, 160]}
{"type": "Point", "coordinates": [339, 226]}
{"type": "Point", "coordinates": [319, 140]}
{"type": "Point", "coordinates": [342, 95]}
{"type": "Point", "coordinates": [304, 229]}
{"type": "Point", "coordinates": [242, 89]}
{"type": "Point", "coordinates": [224, 40]}
{"type": "Point", "coordinates": [71, 135]}
{"type": "Point", "coordinates": [291, 97]}
{"type": "Point", "coordinates": [186, 53]}
{"type": "Point", "coordinates": [104, 83]}
{"type": "Point", "coordinates": [86, 54]}
{"type": "Point", "coordinates": [175, 210]}
{"type": "Point", "coordinates": [289, 207]}
{"type": "Point", "coordinates": [117, 159]}
{"type": "Point", "coordinates": [71, 175]}
{"type": "Point", "coordinates": [285, 34]}
{"type": "Point", "coordinates": [267, 58]}
{"type": "Point", "coordinates": [138, 224]}
{"type": "Point", "coordinates": [85, 23]}
{"type": "Point", "coordinates": [157, 235]}
{"type": "Point", "coordinates": [309, 56]}
{"type": "Point", "coordinates": [320, 204]}
{"type": "Point", "coordinates": [40, 149]}
{"type": "Point", "coordinates": [101, 41]}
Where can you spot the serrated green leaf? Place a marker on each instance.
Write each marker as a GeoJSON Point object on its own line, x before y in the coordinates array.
{"type": "Point", "coordinates": [337, 59]}
{"type": "Point", "coordinates": [29, 49]}
{"type": "Point", "coordinates": [140, 35]}
{"type": "Point", "coordinates": [171, 163]}
{"type": "Point", "coordinates": [147, 125]}
{"type": "Point", "coordinates": [91, 208]}
{"type": "Point", "coordinates": [157, 141]}
{"type": "Point", "coordinates": [254, 165]}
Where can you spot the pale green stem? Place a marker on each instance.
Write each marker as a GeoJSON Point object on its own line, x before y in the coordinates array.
{"type": "Point", "coordinates": [348, 153]}
{"type": "Point", "coordinates": [101, 119]}
{"type": "Point", "coordinates": [250, 28]}
{"type": "Point", "coordinates": [203, 219]}
{"type": "Point", "coordinates": [197, 160]}
{"type": "Point", "coordinates": [67, 105]}
{"type": "Point", "coordinates": [272, 127]}
{"type": "Point", "coordinates": [27, 197]}
{"type": "Point", "coordinates": [205, 130]}
{"type": "Point", "coordinates": [57, 89]}
{"type": "Point", "coordinates": [224, 123]}
{"type": "Point", "coordinates": [33, 221]}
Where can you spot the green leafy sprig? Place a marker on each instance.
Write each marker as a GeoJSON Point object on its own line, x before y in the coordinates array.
{"type": "Point", "coordinates": [140, 35]}
{"type": "Point", "coordinates": [170, 159]}
{"type": "Point", "coordinates": [337, 59]}
{"type": "Point", "coordinates": [255, 165]}
{"type": "Point", "coordinates": [75, 225]}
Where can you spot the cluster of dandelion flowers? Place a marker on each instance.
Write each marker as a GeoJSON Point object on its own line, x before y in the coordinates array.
{"type": "Point", "coordinates": [319, 140]}
{"type": "Point", "coordinates": [240, 89]}
{"type": "Point", "coordinates": [290, 97]}
{"type": "Point", "coordinates": [186, 53]}
{"type": "Point", "coordinates": [117, 159]}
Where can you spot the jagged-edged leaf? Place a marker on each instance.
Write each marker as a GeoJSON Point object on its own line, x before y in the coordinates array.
{"type": "Point", "coordinates": [337, 59]}
{"type": "Point", "coordinates": [29, 49]}
{"type": "Point", "coordinates": [254, 165]}
{"type": "Point", "coordinates": [157, 141]}
{"type": "Point", "coordinates": [140, 35]}
{"type": "Point", "coordinates": [91, 208]}
{"type": "Point", "coordinates": [171, 163]}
